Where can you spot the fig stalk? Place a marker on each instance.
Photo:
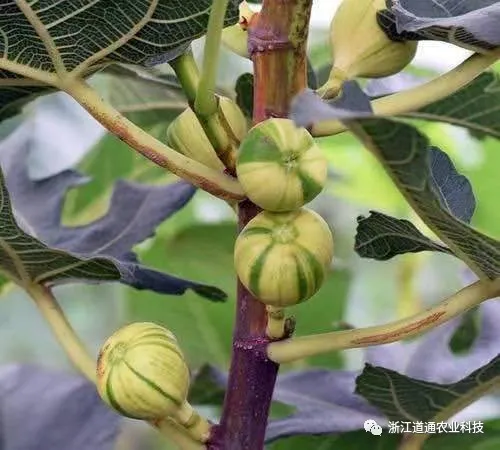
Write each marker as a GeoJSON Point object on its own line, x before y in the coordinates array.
{"type": "Point", "coordinates": [276, 322]}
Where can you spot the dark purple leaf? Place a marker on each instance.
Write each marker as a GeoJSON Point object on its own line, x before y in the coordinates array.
{"type": "Point", "coordinates": [135, 212]}
{"type": "Point", "coordinates": [474, 25]}
{"type": "Point", "coordinates": [47, 410]}
{"type": "Point", "coordinates": [324, 402]}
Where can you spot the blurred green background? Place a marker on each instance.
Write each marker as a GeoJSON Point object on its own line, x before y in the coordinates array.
{"type": "Point", "coordinates": [197, 243]}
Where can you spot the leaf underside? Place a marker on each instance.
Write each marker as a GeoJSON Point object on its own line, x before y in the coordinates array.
{"type": "Point", "coordinates": [471, 25]}
{"type": "Point", "coordinates": [403, 398]}
{"type": "Point", "coordinates": [70, 36]}
{"type": "Point", "coordinates": [382, 237]}
{"type": "Point", "coordinates": [26, 260]}
{"type": "Point", "coordinates": [404, 152]}
{"type": "Point", "coordinates": [64, 412]}
{"type": "Point", "coordinates": [98, 251]}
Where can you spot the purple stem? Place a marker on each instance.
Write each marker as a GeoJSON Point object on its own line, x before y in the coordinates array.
{"type": "Point", "coordinates": [251, 376]}
{"type": "Point", "coordinates": [277, 43]}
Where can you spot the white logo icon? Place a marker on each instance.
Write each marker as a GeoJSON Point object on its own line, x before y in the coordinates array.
{"type": "Point", "coordinates": [373, 427]}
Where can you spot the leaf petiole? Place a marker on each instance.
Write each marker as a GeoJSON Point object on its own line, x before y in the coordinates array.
{"type": "Point", "coordinates": [302, 347]}
{"type": "Point", "coordinates": [218, 184]}
{"type": "Point", "coordinates": [206, 102]}
{"type": "Point", "coordinates": [62, 329]}
{"type": "Point", "coordinates": [414, 99]}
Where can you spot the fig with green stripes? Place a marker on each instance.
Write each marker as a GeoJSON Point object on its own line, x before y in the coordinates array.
{"type": "Point", "coordinates": [283, 258]}
{"type": "Point", "coordinates": [280, 167]}
{"type": "Point", "coordinates": [142, 373]}
{"type": "Point", "coordinates": [186, 134]}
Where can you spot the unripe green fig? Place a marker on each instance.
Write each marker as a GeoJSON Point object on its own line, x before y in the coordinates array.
{"type": "Point", "coordinates": [235, 37]}
{"type": "Point", "coordinates": [360, 47]}
{"type": "Point", "coordinates": [283, 258]}
{"type": "Point", "coordinates": [141, 372]}
{"type": "Point", "coordinates": [186, 135]}
{"type": "Point", "coordinates": [228, 127]}
{"type": "Point", "coordinates": [280, 166]}
{"type": "Point", "coordinates": [233, 119]}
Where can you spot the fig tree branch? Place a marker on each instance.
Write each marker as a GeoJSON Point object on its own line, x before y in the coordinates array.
{"type": "Point", "coordinates": [277, 42]}
{"type": "Point", "coordinates": [302, 347]}
{"type": "Point", "coordinates": [420, 96]}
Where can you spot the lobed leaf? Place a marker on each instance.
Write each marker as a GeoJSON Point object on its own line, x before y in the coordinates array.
{"type": "Point", "coordinates": [39, 38]}
{"type": "Point", "coordinates": [382, 237]}
{"type": "Point", "coordinates": [472, 25]}
{"type": "Point", "coordinates": [100, 250]}
{"type": "Point", "coordinates": [415, 167]}
{"type": "Point", "coordinates": [26, 260]}
{"type": "Point", "coordinates": [43, 409]}
{"type": "Point", "coordinates": [402, 398]}
{"type": "Point", "coordinates": [406, 154]}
